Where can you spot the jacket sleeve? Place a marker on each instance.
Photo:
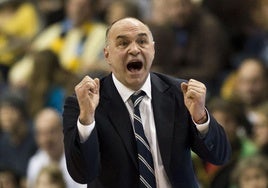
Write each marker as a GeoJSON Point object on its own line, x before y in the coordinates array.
{"type": "Point", "coordinates": [214, 147]}
{"type": "Point", "coordinates": [82, 158]}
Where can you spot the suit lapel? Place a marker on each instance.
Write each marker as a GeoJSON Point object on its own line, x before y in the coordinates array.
{"type": "Point", "coordinates": [119, 116]}
{"type": "Point", "coordinates": [163, 104]}
{"type": "Point", "coordinates": [163, 107]}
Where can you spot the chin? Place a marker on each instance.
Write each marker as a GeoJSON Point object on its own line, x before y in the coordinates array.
{"type": "Point", "coordinates": [135, 84]}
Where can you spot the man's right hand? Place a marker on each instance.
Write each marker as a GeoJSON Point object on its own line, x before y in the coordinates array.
{"type": "Point", "coordinates": [88, 95]}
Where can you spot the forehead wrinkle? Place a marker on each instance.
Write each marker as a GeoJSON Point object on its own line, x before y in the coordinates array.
{"type": "Point", "coordinates": [125, 36]}
{"type": "Point", "coordinates": [143, 34]}
{"type": "Point", "coordinates": [134, 24]}
{"type": "Point", "coordinates": [121, 37]}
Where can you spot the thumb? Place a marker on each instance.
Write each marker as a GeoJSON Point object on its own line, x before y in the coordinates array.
{"type": "Point", "coordinates": [184, 87]}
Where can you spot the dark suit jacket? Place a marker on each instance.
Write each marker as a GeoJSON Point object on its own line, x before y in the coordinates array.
{"type": "Point", "coordinates": [109, 157]}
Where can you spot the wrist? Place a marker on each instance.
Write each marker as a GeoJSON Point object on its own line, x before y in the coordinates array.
{"type": "Point", "coordinates": [203, 118]}
{"type": "Point", "coordinates": [86, 120]}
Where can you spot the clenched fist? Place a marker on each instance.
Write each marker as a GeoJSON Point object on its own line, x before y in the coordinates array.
{"type": "Point", "coordinates": [87, 92]}
{"type": "Point", "coordinates": [194, 98]}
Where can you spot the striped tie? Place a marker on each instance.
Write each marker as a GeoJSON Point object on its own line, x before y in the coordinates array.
{"type": "Point", "coordinates": [146, 166]}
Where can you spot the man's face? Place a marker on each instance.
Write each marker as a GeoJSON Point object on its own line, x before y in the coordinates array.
{"type": "Point", "coordinates": [260, 129]}
{"type": "Point", "coordinates": [10, 118]}
{"type": "Point", "coordinates": [250, 85]}
{"type": "Point", "coordinates": [130, 52]}
{"type": "Point", "coordinates": [49, 134]}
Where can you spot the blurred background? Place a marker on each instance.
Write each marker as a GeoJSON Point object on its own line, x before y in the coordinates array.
{"type": "Point", "coordinates": [47, 46]}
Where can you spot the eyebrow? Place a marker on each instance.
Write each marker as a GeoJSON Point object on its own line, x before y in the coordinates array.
{"type": "Point", "coordinates": [124, 37]}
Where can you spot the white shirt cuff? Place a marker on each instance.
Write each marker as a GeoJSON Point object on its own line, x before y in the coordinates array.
{"type": "Point", "coordinates": [84, 131]}
{"type": "Point", "coordinates": [203, 128]}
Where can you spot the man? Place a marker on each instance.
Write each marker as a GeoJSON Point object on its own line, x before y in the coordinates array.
{"type": "Point", "coordinates": [48, 135]}
{"type": "Point", "coordinates": [99, 122]}
{"type": "Point", "coordinates": [17, 143]}
{"type": "Point", "coordinates": [247, 86]}
{"type": "Point", "coordinates": [251, 83]}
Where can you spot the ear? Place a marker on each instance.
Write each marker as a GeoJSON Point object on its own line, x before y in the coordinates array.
{"type": "Point", "coordinates": [106, 52]}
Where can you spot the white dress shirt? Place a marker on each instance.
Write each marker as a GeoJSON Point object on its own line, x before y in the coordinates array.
{"type": "Point", "coordinates": [146, 111]}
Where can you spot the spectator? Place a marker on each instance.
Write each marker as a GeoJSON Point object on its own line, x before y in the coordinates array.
{"type": "Point", "coordinates": [53, 83]}
{"type": "Point", "coordinates": [251, 172]}
{"type": "Point", "coordinates": [78, 41]}
{"type": "Point", "coordinates": [247, 85]}
{"type": "Point", "coordinates": [17, 143]}
{"type": "Point", "coordinates": [260, 127]}
{"type": "Point", "coordinates": [238, 130]}
{"type": "Point", "coordinates": [50, 176]}
{"type": "Point", "coordinates": [9, 179]}
{"type": "Point", "coordinates": [49, 137]}
{"type": "Point", "coordinates": [18, 26]}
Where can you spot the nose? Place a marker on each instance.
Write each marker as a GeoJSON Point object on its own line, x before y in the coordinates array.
{"type": "Point", "coordinates": [134, 49]}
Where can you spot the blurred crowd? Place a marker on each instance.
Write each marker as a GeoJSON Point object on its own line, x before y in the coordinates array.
{"type": "Point", "coordinates": [47, 46]}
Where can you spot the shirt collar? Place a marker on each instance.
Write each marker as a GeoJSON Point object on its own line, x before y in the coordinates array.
{"type": "Point", "coordinates": [126, 92]}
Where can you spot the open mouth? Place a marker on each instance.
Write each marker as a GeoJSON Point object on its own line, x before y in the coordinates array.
{"type": "Point", "coordinates": [134, 66]}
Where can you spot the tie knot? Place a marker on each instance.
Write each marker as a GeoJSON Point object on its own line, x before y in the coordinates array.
{"type": "Point", "coordinates": [137, 97]}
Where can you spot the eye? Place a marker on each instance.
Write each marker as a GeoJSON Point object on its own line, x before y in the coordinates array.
{"type": "Point", "coordinates": [123, 43]}
{"type": "Point", "coordinates": [142, 41]}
